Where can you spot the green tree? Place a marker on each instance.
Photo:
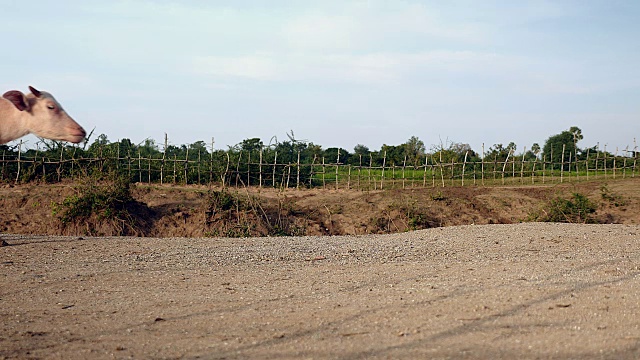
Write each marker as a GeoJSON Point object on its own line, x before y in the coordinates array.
{"type": "Point", "coordinates": [360, 155]}
{"type": "Point", "coordinates": [395, 155]}
{"type": "Point", "coordinates": [455, 152]}
{"type": "Point", "coordinates": [198, 146]}
{"type": "Point", "coordinates": [552, 149]}
{"type": "Point", "coordinates": [250, 145]}
{"type": "Point", "coordinates": [414, 150]}
{"type": "Point", "coordinates": [498, 152]}
{"type": "Point", "coordinates": [535, 148]}
{"type": "Point", "coordinates": [333, 155]}
{"type": "Point", "coordinates": [532, 154]}
{"type": "Point", "coordinates": [149, 148]}
{"type": "Point", "coordinates": [361, 150]}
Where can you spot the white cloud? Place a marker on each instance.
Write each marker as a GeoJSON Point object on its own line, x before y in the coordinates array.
{"type": "Point", "coordinates": [259, 66]}
{"type": "Point", "coordinates": [364, 26]}
{"type": "Point", "coordinates": [320, 32]}
{"type": "Point", "coordinates": [381, 68]}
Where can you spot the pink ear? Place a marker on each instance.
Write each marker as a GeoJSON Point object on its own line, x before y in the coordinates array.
{"type": "Point", "coordinates": [35, 91]}
{"type": "Point", "coordinates": [17, 99]}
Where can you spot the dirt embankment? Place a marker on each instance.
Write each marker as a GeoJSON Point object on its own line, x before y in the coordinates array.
{"type": "Point", "coordinates": [164, 211]}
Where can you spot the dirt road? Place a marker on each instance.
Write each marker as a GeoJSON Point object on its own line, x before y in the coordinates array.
{"type": "Point", "coordinates": [474, 292]}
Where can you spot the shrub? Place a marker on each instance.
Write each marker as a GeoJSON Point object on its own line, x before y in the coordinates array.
{"type": "Point", "coordinates": [578, 209]}
{"type": "Point", "coordinates": [232, 214]}
{"type": "Point", "coordinates": [100, 204]}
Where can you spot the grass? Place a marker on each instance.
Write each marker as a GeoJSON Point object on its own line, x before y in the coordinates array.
{"type": "Point", "coordinates": [397, 177]}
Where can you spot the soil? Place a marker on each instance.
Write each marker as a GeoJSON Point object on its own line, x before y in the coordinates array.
{"type": "Point", "coordinates": [197, 211]}
{"type": "Point", "coordinates": [504, 289]}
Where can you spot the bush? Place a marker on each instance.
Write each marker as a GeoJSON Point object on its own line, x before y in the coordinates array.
{"type": "Point", "coordinates": [578, 209]}
{"type": "Point", "coordinates": [101, 207]}
{"type": "Point", "coordinates": [231, 214]}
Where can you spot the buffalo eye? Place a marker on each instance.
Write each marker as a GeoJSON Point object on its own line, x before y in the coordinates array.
{"type": "Point", "coordinates": [50, 107]}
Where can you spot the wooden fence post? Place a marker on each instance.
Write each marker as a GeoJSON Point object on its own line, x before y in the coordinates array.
{"type": "Point", "coordinates": [533, 170]}
{"type": "Point", "coordinates": [275, 164]}
{"type": "Point", "coordinates": [586, 164]}
{"type": "Point", "coordinates": [635, 157]}
{"type": "Point", "coordinates": [605, 161]}
{"type": "Point", "coordinates": [175, 175]}
{"type": "Point", "coordinates": [337, 166]}
{"type": "Point", "coordinates": [464, 165]}
{"type": "Point", "coordinates": [59, 164]}
{"type": "Point", "coordinates": [238, 168]}
{"type": "Point", "coordinates": [624, 163]}
{"type": "Point", "coordinates": [211, 164]}
{"type": "Point", "coordinates": [139, 167]}
{"type": "Point", "coordinates": [370, 165]}
{"type": "Point", "coordinates": [298, 172]}
{"type": "Point", "coordinates": [248, 168]}
{"type": "Point", "coordinates": [482, 164]}
{"type": "Point", "coordinates": [199, 162]}
{"type": "Point", "coordinates": [288, 175]}
{"type": "Point", "coordinates": [19, 164]}
{"type": "Point", "coordinates": [260, 168]}
{"type": "Point", "coordinates": [562, 164]}
{"type": "Point", "coordinates": [186, 168]}
{"type": "Point", "coordinates": [324, 185]}
{"type": "Point", "coordinates": [359, 171]}
{"type": "Point", "coordinates": [504, 167]}
{"type": "Point", "coordinates": [117, 158]}
{"type": "Point", "coordinates": [226, 171]}
{"type": "Point", "coordinates": [404, 165]}
{"type": "Point", "coordinates": [524, 151]}
{"type": "Point", "coordinates": [164, 155]}
{"type": "Point", "coordinates": [615, 156]}
{"type": "Point", "coordinates": [596, 161]}
{"type": "Point", "coordinates": [384, 162]}
{"type": "Point", "coordinates": [129, 163]}
{"type": "Point", "coordinates": [544, 166]}
{"type": "Point", "coordinates": [311, 170]}
{"type": "Point", "coordinates": [424, 174]}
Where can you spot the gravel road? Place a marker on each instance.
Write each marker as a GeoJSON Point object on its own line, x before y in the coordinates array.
{"type": "Point", "coordinates": [526, 291]}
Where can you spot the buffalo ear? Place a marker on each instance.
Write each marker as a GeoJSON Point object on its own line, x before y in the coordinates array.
{"type": "Point", "coordinates": [35, 91]}
{"type": "Point", "coordinates": [17, 99]}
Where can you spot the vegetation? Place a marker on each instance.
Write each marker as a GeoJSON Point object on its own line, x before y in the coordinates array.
{"type": "Point", "coordinates": [232, 214]}
{"type": "Point", "coordinates": [562, 146]}
{"type": "Point", "coordinates": [295, 163]}
{"type": "Point", "coordinates": [101, 201]}
{"type": "Point", "coordinates": [577, 209]}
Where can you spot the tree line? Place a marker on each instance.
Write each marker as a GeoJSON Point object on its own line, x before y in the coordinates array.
{"type": "Point", "coordinates": [253, 156]}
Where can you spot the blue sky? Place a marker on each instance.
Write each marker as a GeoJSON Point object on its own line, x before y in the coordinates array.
{"type": "Point", "coordinates": [337, 73]}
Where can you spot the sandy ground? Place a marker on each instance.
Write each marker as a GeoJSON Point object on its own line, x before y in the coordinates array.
{"type": "Point", "coordinates": [526, 291]}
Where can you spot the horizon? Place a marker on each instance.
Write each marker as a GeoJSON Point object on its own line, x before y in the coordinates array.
{"type": "Point", "coordinates": [28, 144]}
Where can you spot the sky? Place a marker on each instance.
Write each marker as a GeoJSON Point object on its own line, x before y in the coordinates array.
{"type": "Point", "coordinates": [337, 73]}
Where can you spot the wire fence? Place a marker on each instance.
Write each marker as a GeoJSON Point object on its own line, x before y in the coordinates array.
{"type": "Point", "coordinates": [263, 169]}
